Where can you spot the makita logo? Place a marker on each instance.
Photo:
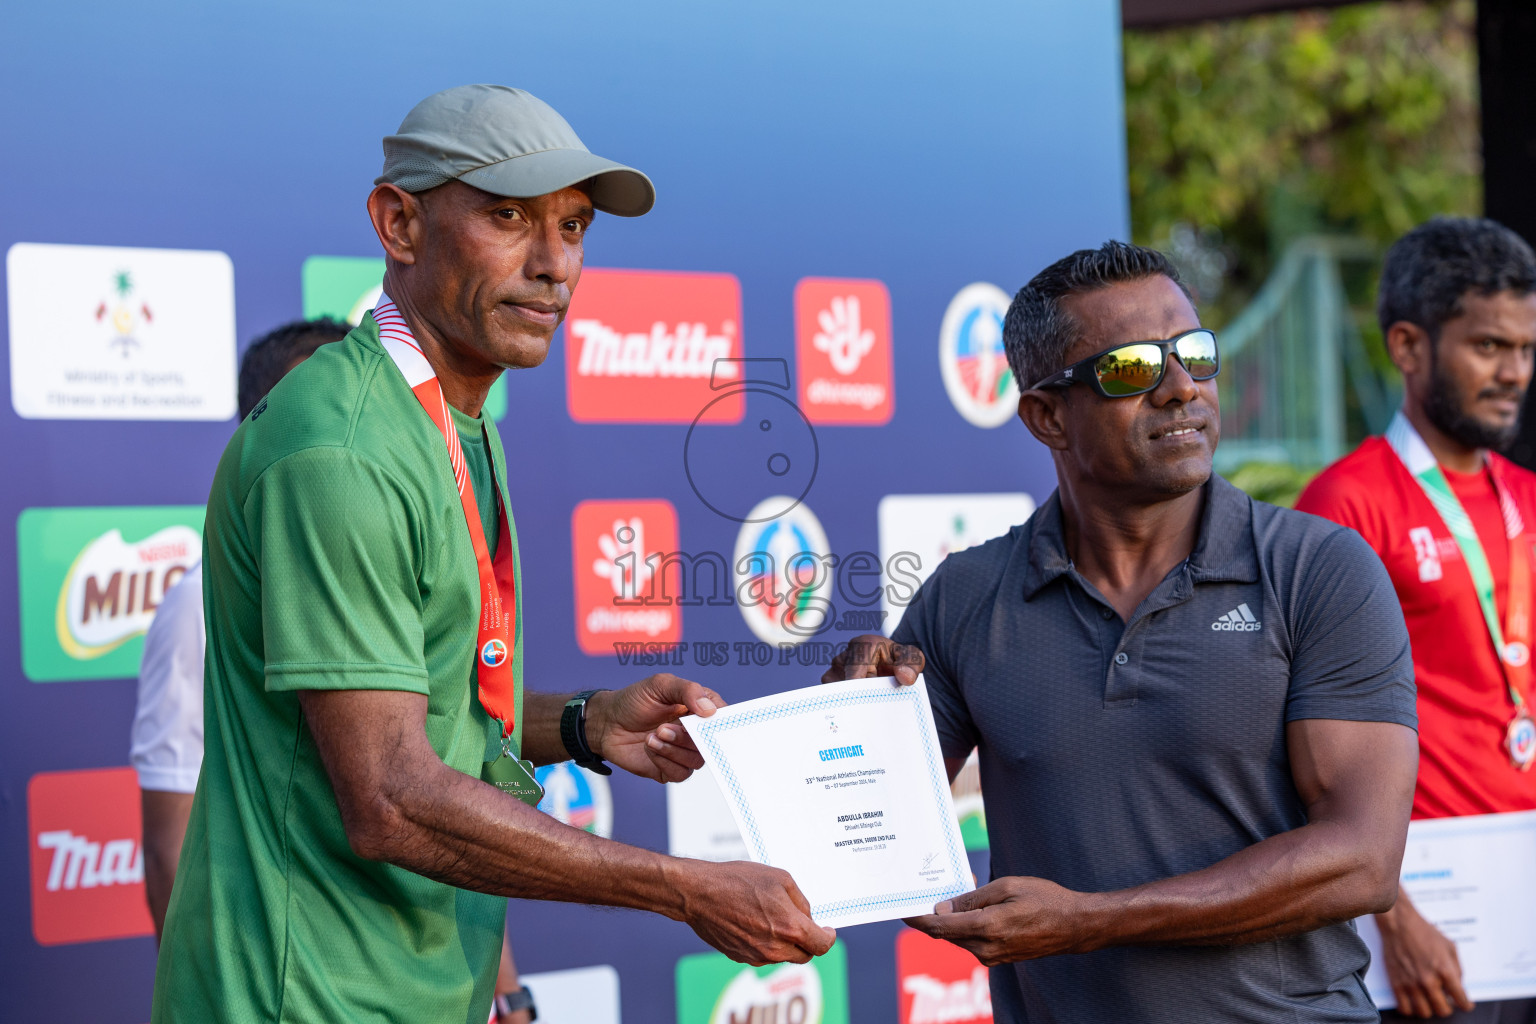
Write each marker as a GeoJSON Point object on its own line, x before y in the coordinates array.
{"type": "Point", "coordinates": [79, 863]}
{"type": "Point", "coordinates": [688, 350]}
{"type": "Point", "coordinates": [1239, 619]}
{"type": "Point", "coordinates": [644, 346]}
{"type": "Point", "coordinates": [939, 983]}
{"type": "Point", "coordinates": [940, 1002]}
{"type": "Point", "coordinates": [87, 864]}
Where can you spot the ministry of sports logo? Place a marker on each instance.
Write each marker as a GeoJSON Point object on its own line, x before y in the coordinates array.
{"type": "Point", "coordinates": [112, 333]}
{"type": "Point", "coordinates": [843, 350]}
{"type": "Point", "coordinates": [971, 356]}
{"type": "Point", "coordinates": [783, 575]}
{"type": "Point", "coordinates": [125, 313]}
{"type": "Point", "coordinates": [1238, 620]}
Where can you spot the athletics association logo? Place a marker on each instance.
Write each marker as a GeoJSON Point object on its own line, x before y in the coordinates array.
{"type": "Point", "coordinates": [493, 653]}
{"type": "Point", "coordinates": [642, 346]}
{"type": "Point", "coordinates": [971, 357]}
{"type": "Point", "coordinates": [939, 982]}
{"type": "Point", "coordinates": [577, 797]}
{"type": "Point", "coordinates": [619, 547]}
{"type": "Point", "coordinates": [783, 570]}
{"type": "Point", "coordinates": [843, 350]}
{"type": "Point", "coordinates": [91, 582]}
{"type": "Point", "coordinates": [713, 990]}
{"type": "Point", "coordinates": [86, 859]}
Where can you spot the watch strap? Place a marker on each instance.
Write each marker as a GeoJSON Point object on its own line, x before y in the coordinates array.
{"type": "Point", "coordinates": [511, 1002]}
{"type": "Point", "coordinates": [573, 733]}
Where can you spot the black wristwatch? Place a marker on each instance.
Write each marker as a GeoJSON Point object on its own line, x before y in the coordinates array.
{"type": "Point", "coordinates": [511, 1002]}
{"type": "Point", "coordinates": [573, 733]}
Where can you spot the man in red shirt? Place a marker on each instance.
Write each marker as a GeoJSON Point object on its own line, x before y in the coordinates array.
{"type": "Point", "coordinates": [1454, 523]}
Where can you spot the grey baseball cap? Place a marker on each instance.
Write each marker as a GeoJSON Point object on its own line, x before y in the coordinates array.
{"type": "Point", "coordinates": [508, 142]}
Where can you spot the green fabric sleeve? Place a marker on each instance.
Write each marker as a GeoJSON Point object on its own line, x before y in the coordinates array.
{"type": "Point", "coordinates": [337, 554]}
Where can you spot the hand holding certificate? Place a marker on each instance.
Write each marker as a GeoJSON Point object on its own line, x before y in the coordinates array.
{"type": "Point", "coordinates": [844, 787]}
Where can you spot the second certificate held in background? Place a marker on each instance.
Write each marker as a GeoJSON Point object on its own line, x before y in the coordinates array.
{"type": "Point", "coordinates": [844, 787]}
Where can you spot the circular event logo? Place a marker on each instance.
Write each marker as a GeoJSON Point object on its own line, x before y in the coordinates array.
{"type": "Point", "coordinates": [971, 356]}
{"type": "Point", "coordinates": [576, 797]}
{"type": "Point", "coordinates": [493, 653]}
{"type": "Point", "coordinates": [781, 571]}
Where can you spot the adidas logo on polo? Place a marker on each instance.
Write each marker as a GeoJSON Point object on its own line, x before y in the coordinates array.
{"type": "Point", "coordinates": [1239, 619]}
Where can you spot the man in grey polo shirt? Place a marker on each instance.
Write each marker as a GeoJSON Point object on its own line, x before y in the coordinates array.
{"type": "Point", "coordinates": [1194, 711]}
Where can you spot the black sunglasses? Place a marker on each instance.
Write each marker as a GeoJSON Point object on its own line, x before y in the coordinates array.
{"type": "Point", "coordinates": [1138, 366]}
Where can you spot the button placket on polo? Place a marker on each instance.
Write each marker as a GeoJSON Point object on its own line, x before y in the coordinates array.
{"type": "Point", "coordinates": [1124, 670]}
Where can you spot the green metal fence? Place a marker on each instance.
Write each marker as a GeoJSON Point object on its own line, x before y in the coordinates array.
{"type": "Point", "coordinates": [1294, 363]}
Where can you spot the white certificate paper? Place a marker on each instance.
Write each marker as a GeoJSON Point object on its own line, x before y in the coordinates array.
{"type": "Point", "coordinates": [844, 787]}
{"type": "Point", "coordinates": [1474, 878]}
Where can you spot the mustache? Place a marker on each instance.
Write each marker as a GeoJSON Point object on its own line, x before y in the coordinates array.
{"type": "Point", "coordinates": [1502, 392]}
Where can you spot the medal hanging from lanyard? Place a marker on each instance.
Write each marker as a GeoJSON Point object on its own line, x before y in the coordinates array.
{"type": "Point", "coordinates": [1512, 637]}
{"type": "Point", "coordinates": [494, 648]}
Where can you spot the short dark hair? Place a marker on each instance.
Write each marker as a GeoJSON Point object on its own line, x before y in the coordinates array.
{"type": "Point", "coordinates": [1432, 268]}
{"type": "Point", "coordinates": [268, 357]}
{"type": "Point", "coordinates": [1038, 332]}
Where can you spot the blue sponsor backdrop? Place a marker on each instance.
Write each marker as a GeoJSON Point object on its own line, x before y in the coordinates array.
{"type": "Point", "coordinates": [925, 145]}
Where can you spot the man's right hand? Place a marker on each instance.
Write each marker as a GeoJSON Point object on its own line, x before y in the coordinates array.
{"type": "Point", "coordinates": [874, 655]}
{"type": "Point", "coordinates": [752, 913]}
{"type": "Point", "coordinates": [1421, 963]}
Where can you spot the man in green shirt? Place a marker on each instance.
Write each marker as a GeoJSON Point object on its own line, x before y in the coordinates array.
{"type": "Point", "coordinates": [345, 860]}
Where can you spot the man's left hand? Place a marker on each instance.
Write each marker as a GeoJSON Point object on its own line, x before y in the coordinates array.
{"type": "Point", "coordinates": [636, 727]}
{"type": "Point", "coordinates": [1011, 919]}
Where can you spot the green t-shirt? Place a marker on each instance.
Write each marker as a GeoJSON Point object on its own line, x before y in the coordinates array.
{"type": "Point", "coordinates": [336, 557]}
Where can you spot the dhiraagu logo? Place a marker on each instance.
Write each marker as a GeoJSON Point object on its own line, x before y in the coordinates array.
{"type": "Point", "coordinates": [91, 580]}
{"type": "Point", "coordinates": [713, 990]}
{"type": "Point", "coordinates": [346, 287]}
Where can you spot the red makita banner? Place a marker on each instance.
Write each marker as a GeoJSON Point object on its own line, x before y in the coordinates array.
{"type": "Point", "coordinates": [641, 347]}
{"type": "Point", "coordinates": [87, 860]}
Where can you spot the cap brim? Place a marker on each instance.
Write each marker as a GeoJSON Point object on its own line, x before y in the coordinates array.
{"type": "Point", "coordinates": [616, 189]}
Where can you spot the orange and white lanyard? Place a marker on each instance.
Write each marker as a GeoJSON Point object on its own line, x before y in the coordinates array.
{"type": "Point", "coordinates": [494, 648]}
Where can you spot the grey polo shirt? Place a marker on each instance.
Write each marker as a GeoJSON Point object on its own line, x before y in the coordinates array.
{"type": "Point", "coordinates": [1115, 754]}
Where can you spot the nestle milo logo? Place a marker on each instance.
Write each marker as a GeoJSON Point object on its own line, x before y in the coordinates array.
{"type": "Point", "coordinates": [91, 580]}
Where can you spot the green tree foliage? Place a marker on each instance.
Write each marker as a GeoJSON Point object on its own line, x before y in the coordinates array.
{"type": "Point", "coordinates": [1244, 134]}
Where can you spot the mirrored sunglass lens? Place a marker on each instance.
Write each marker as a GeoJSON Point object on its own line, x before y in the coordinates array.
{"type": "Point", "coordinates": [1198, 353]}
{"type": "Point", "coordinates": [1129, 370]}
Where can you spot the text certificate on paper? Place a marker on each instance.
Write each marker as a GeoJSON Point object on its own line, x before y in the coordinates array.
{"type": "Point", "coordinates": [844, 787]}
{"type": "Point", "coordinates": [1473, 878]}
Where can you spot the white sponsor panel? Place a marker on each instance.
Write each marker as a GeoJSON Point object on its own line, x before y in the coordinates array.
{"type": "Point", "coordinates": [105, 333]}
{"type": "Point", "coordinates": [582, 995]}
{"type": "Point", "coordinates": [918, 531]}
{"type": "Point", "coordinates": [699, 821]}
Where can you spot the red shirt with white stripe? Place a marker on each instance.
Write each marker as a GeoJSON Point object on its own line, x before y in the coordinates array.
{"type": "Point", "coordinates": [1464, 707]}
